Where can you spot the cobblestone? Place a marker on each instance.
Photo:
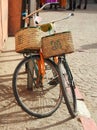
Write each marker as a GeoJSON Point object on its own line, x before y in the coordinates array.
{"type": "Point", "coordinates": [83, 64]}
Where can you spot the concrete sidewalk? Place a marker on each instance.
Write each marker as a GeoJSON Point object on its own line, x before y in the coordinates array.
{"type": "Point", "coordinates": [83, 64]}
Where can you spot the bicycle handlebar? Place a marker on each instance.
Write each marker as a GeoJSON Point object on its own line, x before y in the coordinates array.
{"type": "Point", "coordinates": [36, 11]}
{"type": "Point", "coordinates": [69, 15]}
{"type": "Point", "coordinates": [40, 9]}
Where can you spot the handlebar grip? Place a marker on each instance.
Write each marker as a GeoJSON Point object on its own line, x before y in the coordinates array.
{"type": "Point", "coordinates": [72, 14]}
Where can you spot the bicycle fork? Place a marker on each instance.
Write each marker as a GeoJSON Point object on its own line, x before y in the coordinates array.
{"type": "Point", "coordinates": [63, 61]}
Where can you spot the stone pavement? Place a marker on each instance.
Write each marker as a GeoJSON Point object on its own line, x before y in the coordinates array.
{"type": "Point", "coordinates": [83, 64]}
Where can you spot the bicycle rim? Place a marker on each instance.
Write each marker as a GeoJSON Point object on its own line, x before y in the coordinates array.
{"type": "Point", "coordinates": [68, 90]}
{"type": "Point", "coordinates": [40, 101]}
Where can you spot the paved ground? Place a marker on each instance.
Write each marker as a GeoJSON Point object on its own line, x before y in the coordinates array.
{"type": "Point", "coordinates": [83, 64]}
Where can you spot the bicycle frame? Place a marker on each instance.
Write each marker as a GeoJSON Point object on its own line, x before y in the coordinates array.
{"type": "Point", "coordinates": [70, 77]}
{"type": "Point", "coordinates": [40, 63]}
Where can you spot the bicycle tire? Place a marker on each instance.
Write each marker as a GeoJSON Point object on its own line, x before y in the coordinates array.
{"type": "Point", "coordinates": [67, 89]}
{"type": "Point", "coordinates": [69, 73]}
{"type": "Point", "coordinates": [38, 102]}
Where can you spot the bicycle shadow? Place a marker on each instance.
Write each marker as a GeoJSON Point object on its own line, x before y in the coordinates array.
{"type": "Point", "coordinates": [89, 46]}
{"type": "Point", "coordinates": [92, 47]}
{"type": "Point", "coordinates": [52, 125]}
{"type": "Point", "coordinates": [10, 112]}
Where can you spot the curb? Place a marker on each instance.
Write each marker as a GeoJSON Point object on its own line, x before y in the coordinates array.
{"type": "Point", "coordinates": [84, 115]}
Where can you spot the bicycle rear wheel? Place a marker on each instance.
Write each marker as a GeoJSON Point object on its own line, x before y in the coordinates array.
{"type": "Point", "coordinates": [42, 100]}
{"type": "Point", "coordinates": [68, 88]}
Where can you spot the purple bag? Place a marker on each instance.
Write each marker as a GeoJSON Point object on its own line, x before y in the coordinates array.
{"type": "Point", "coordinates": [48, 1]}
{"type": "Point", "coordinates": [51, 1]}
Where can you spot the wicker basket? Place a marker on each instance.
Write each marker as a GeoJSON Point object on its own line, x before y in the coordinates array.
{"type": "Point", "coordinates": [57, 44]}
{"type": "Point", "coordinates": [28, 39]}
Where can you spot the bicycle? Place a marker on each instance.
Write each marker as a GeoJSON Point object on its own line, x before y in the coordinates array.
{"type": "Point", "coordinates": [48, 80]}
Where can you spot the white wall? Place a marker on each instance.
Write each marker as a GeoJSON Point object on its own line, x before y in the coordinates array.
{"type": "Point", "coordinates": [3, 22]}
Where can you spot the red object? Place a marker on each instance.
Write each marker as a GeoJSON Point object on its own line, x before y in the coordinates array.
{"type": "Point", "coordinates": [41, 65]}
{"type": "Point", "coordinates": [14, 16]}
{"type": "Point", "coordinates": [88, 123]}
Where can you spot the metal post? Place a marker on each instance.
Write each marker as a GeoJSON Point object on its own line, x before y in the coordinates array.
{"type": "Point", "coordinates": [32, 7]}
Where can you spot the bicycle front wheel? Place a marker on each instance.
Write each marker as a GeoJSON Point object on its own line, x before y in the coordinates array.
{"type": "Point", "coordinates": [67, 89]}
{"type": "Point", "coordinates": [42, 100]}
